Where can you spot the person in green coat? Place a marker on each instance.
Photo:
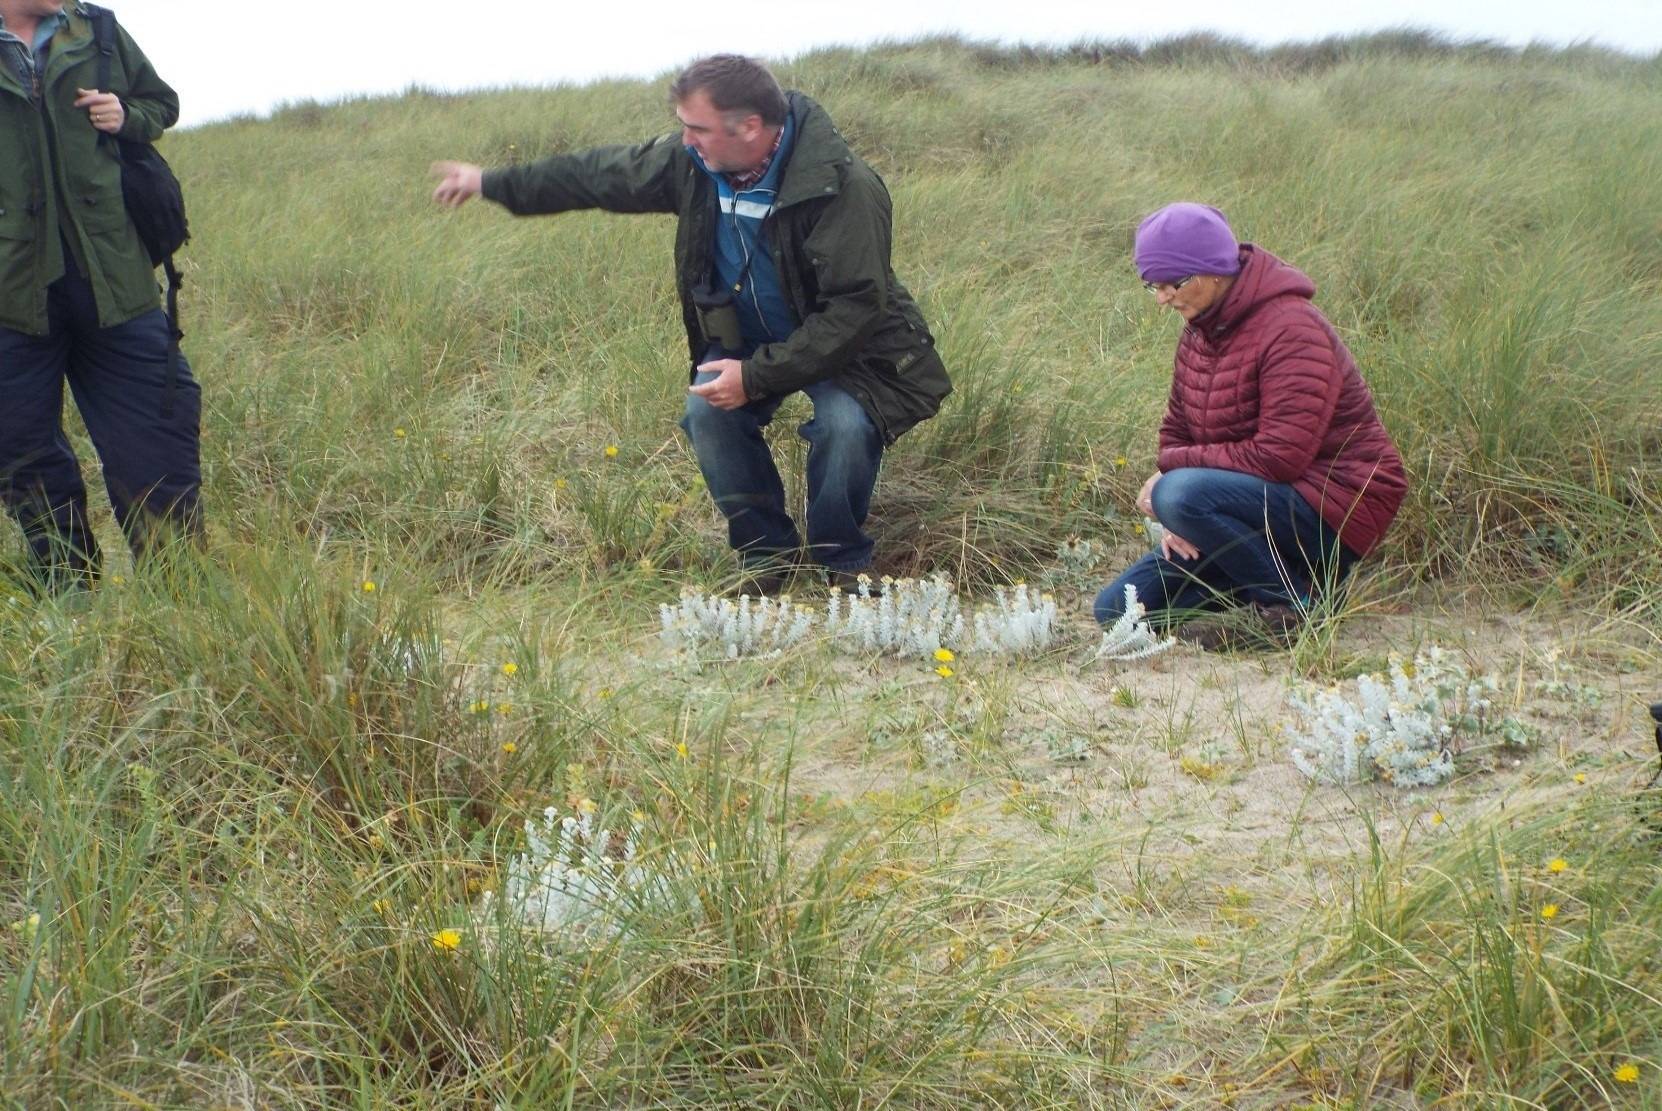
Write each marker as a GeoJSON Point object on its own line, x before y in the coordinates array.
{"type": "Point", "coordinates": [784, 278]}
{"type": "Point", "coordinates": [79, 302]}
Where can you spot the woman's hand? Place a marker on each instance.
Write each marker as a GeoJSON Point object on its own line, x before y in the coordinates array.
{"type": "Point", "coordinates": [103, 109]}
{"type": "Point", "coordinates": [1145, 497]}
{"type": "Point", "coordinates": [1173, 546]}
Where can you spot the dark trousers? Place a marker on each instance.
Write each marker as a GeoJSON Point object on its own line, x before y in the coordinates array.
{"type": "Point", "coordinates": [1259, 541]}
{"type": "Point", "coordinates": [119, 379]}
{"type": "Point", "coordinates": [844, 454]}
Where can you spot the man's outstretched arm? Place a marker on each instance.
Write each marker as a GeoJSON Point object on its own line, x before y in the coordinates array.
{"type": "Point", "coordinates": [642, 178]}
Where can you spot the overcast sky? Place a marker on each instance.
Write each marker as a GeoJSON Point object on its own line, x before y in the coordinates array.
{"type": "Point", "coordinates": [231, 56]}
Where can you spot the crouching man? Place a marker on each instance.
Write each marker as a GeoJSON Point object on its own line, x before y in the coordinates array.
{"type": "Point", "coordinates": [782, 266]}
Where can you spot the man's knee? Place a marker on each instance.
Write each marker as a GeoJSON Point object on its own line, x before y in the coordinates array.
{"type": "Point", "coordinates": [703, 422]}
{"type": "Point", "coordinates": [840, 421]}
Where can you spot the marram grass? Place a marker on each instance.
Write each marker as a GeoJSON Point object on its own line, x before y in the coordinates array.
{"type": "Point", "coordinates": [252, 803]}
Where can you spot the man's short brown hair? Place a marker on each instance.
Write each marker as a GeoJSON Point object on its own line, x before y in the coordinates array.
{"type": "Point", "coordinates": [734, 84]}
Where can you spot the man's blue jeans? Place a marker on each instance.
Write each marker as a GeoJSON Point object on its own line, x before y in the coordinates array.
{"type": "Point", "coordinates": [1259, 541]}
{"type": "Point", "coordinates": [118, 376]}
{"type": "Point", "coordinates": [844, 452]}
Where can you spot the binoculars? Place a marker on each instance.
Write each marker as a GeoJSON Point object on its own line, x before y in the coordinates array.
{"type": "Point", "coordinates": [717, 318]}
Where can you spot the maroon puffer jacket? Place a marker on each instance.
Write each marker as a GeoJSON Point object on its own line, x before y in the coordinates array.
{"type": "Point", "coordinates": [1263, 385]}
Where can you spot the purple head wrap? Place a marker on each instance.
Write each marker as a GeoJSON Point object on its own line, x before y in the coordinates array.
{"type": "Point", "coordinates": [1183, 239]}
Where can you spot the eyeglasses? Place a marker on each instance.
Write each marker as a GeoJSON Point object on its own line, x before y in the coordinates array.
{"type": "Point", "coordinates": [1156, 287]}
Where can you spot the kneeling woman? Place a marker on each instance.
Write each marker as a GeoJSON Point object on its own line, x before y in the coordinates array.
{"type": "Point", "coordinates": [1275, 473]}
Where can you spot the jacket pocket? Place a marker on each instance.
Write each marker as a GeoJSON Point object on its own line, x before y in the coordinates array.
{"type": "Point", "coordinates": [123, 267]}
{"type": "Point", "coordinates": [16, 221]}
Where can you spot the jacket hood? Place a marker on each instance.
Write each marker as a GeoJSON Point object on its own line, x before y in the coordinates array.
{"type": "Point", "coordinates": [820, 156]}
{"type": "Point", "coordinates": [1262, 279]}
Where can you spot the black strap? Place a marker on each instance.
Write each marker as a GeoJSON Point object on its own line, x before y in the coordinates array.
{"type": "Point", "coordinates": [174, 335]}
{"type": "Point", "coordinates": [103, 31]}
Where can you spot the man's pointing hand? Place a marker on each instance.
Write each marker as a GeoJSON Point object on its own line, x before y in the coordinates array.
{"type": "Point", "coordinates": [459, 182]}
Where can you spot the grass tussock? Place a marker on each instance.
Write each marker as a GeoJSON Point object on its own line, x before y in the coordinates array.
{"type": "Point", "coordinates": [253, 801]}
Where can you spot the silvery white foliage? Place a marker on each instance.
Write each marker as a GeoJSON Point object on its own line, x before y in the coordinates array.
{"type": "Point", "coordinates": [939, 749]}
{"type": "Point", "coordinates": [1077, 556]}
{"type": "Point", "coordinates": [749, 627]}
{"type": "Point", "coordinates": [1154, 530]}
{"type": "Point", "coordinates": [1130, 638]}
{"type": "Point", "coordinates": [912, 617]}
{"type": "Point", "coordinates": [1076, 560]}
{"type": "Point", "coordinates": [1020, 622]}
{"type": "Point", "coordinates": [1398, 728]}
{"type": "Point", "coordinates": [570, 879]}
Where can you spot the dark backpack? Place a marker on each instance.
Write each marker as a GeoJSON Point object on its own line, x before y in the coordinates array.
{"type": "Point", "coordinates": [155, 202]}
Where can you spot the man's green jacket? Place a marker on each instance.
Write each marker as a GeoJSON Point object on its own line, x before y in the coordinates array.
{"type": "Point", "coordinates": [55, 175]}
{"type": "Point", "coordinates": [830, 239]}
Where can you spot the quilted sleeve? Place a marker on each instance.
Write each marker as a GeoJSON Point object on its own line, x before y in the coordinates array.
{"type": "Point", "coordinates": [1174, 427]}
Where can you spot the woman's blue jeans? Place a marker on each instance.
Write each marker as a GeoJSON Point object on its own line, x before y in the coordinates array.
{"type": "Point", "coordinates": [844, 453]}
{"type": "Point", "coordinates": [1259, 541]}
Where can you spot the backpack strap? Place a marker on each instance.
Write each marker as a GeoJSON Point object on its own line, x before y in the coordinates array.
{"type": "Point", "coordinates": [174, 281]}
{"type": "Point", "coordinates": [103, 34]}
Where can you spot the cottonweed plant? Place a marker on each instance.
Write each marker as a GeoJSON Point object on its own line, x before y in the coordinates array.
{"type": "Point", "coordinates": [1400, 727]}
{"type": "Point", "coordinates": [1020, 622]}
{"type": "Point", "coordinates": [574, 880]}
{"type": "Point", "coordinates": [702, 623]}
{"type": "Point", "coordinates": [1130, 637]}
{"type": "Point", "coordinates": [911, 617]}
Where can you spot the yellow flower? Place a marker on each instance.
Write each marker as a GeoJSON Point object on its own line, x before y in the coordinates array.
{"type": "Point", "coordinates": [380, 906]}
{"type": "Point", "coordinates": [117, 580]}
{"type": "Point", "coordinates": [611, 451]}
{"type": "Point", "coordinates": [587, 806]}
{"type": "Point", "coordinates": [509, 747]}
{"type": "Point", "coordinates": [504, 707]}
{"type": "Point", "coordinates": [447, 940]}
{"type": "Point", "coordinates": [944, 655]}
{"type": "Point", "coordinates": [1549, 912]}
{"type": "Point", "coordinates": [944, 672]}
{"type": "Point", "coordinates": [681, 749]}
{"type": "Point", "coordinates": [560, 484]}
{"type": "Point", "coordinates": [482, 706]}
{"type": "Point", "coordinates": [399, 433]}
{"type": "Point", "coordinates": [1580, 777]}
{"type": "Point", "coordinates": [1120, 461]}
{"type": "Point", "coordinates": [1437, 818]}
{"type": "Point", "coordinates": [368, 586]}
{"type": "Point", "coordinates": [605, 693]}
{"type": "Point", "coordinates": [510, 668]}
{"type": "Point", "coordinates": [1557, 864]}
{"type": "Point", "coordinates": [1626, 1074]}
